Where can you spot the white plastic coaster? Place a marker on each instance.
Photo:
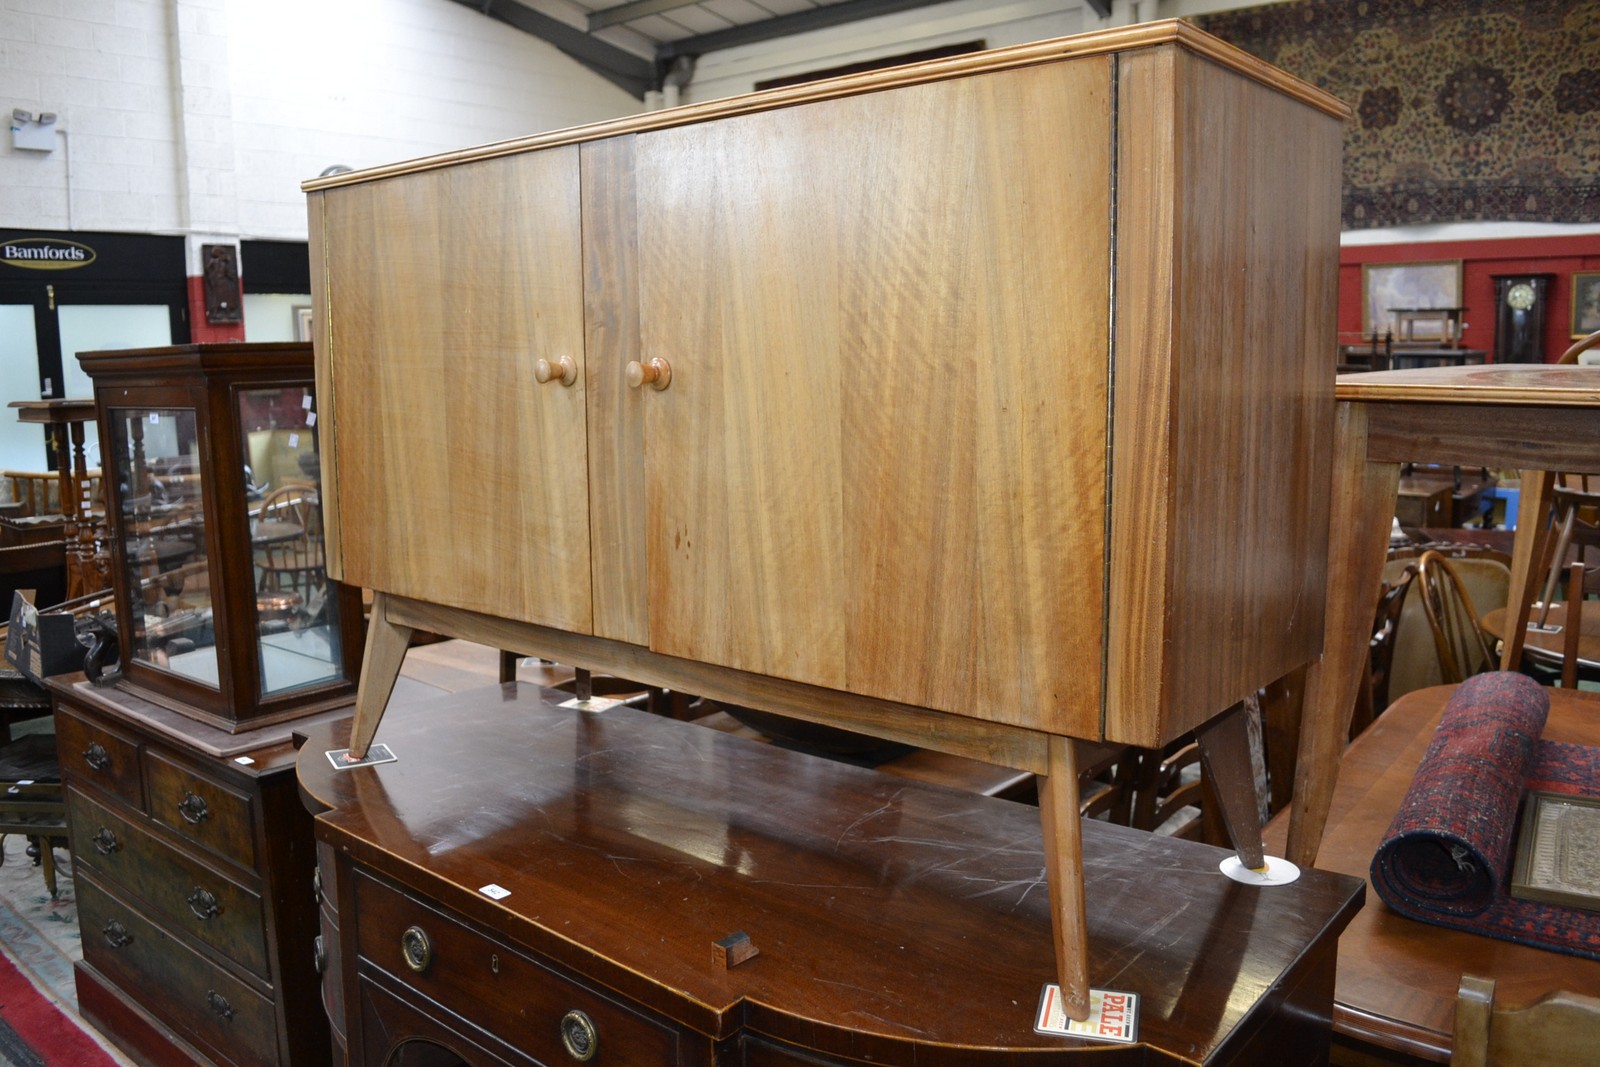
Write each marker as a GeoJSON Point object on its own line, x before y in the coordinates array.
{"type": "Point", "coordinates": [592, 704]}
{"type": "Point", "coordinates": [1113, 1016]}
{"type": "Point", "coordinates": [1277, 871]}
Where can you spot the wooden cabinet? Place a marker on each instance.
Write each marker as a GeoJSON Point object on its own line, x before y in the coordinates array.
{"type": "Point", "coordinates": [194, 861]}
{"type": "Point", "coordinates": [999, 401]}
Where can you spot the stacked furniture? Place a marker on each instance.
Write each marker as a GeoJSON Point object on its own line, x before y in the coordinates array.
{"type": "Point", "coordinates": [194, 857]}
{"type": "Point", "coordinates": [978, 404]}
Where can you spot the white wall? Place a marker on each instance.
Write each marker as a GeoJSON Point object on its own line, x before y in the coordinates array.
{"type": "Point", "coordinates": [203, 116]}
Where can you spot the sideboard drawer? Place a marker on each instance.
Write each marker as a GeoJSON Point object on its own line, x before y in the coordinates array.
{"type": "Point", "coordinates": [521, 1002]}
{"type": "Point", "coordinates": [205, 1004]}
{"type": "Point", "coordinates": [92, 753]}
{"type": "Point", "coordinates": [212, 815]}
{"type": "Point", "coordinates": [191, 896]}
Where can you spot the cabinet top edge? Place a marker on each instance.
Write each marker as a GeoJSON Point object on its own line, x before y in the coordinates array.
{"type": "Point", "coordinates": [1100, 42]}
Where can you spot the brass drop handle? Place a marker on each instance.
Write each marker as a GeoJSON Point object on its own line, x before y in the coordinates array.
{"type": "Point", "coordinates": [219, 1004]}
{"type": "Point", "coordinates": [193, 808]}
{"type": "Point", "coordinates": [656, 371]}
{"type": "Point", "coordinates": [319, 954]}
{"type": "Point", "coordinates": [416, 949]}
{"type": "Point", "coordinates": [96, 756]}
{"type": "Point", "coordinates": [105, 841]}
{"type": "Point", "coordinates": [117, 935]}
{"type": "Point", "coordinates": [578, 1036]}
{"type": "Point", "coordinates": [563, 370]}
{"type": "Point", "coordinates": [203, 903]}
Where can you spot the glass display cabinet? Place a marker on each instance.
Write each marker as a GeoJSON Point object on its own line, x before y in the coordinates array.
{"type": "Point", "coordinates": [213, 487]}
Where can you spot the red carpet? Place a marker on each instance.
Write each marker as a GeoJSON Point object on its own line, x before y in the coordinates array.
{"type": "Point", "coordinates": [33, 1031]}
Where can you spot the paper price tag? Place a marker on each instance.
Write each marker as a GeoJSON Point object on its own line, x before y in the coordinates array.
{"type": "Point", "coordinates": [1112, 1017]}
{"type": "Point", "coordinates": [495, 892]}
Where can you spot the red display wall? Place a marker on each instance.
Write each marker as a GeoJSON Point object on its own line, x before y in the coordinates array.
{"type": "Point", "coordinates": [1480, 260]}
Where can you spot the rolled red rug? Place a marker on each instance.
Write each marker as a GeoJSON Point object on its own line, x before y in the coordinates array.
{"type": "Point", "coordinates": [1448, 855]}
{"type": "Point", "coordinates": [1450, 844]}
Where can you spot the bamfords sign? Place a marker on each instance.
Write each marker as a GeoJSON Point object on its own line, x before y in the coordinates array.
{"type": "Point", "coordinates": [45, 253]}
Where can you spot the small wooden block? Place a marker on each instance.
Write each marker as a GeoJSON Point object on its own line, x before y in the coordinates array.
{"type": "Point", "coordinates": [735, 949]}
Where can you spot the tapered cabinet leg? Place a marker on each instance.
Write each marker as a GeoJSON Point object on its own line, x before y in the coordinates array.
{"type": "Point", "coordinates": [1225, 758]}
{"type": "Point", "coordinates": [1063, 857]}
{"type": "Point", "coordinates": [380, 666]}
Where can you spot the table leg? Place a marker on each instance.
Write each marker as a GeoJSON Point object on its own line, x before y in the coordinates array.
{"type": "Point", "coordinates": [1063, 857]}
{"type": "Point", "coordinates": [1533, 510]}
{"type": "Point", "coordinates": [387, 642]}
{"type": "Point", "coordinates": [1358, 539]}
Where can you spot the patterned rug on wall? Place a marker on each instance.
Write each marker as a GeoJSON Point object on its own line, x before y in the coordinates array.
{"type": "Point", "coordinates": [1463, 109]}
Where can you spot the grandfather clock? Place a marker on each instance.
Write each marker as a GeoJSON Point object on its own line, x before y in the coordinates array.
{"type": "Point", "coordinates": [1519, 317]}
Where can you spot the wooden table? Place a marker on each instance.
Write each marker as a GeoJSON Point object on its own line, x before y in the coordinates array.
{"type": "Point", "coordinates": [1397, 980]}
{"type": "Point", "coordinates": [1546, 647]}
{"type": "Point", "coordinates": [897, 922]}
{"type": "Point", "coordinates": [1539, 418]}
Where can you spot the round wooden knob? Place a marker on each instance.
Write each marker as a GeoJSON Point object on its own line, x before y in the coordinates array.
{"type": "Point", "coordinates": [658, 372]}
{"type": "Point", "coordinates": [563, 370]}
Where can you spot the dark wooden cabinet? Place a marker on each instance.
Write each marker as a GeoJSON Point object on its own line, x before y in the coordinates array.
{"type": "Point", "coordinates": [194, 864]}
{"type": "Point", "coordinates": [533, 882]}
{"type": "Point", "coordinates": [193, 853]}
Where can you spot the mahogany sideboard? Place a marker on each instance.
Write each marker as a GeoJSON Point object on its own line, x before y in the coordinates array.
{"type": "Point", "coordinates": [535, 870]}
{"type": "Point", "coordinates": [976, 404]}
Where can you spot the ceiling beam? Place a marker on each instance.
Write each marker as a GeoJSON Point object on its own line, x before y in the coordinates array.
{"type": "Point", "coordinates": [634, 9]}
{"type": "Point", "coordinates": [800, 22]}
{"type": "Point", "coordinates": [632, 73]}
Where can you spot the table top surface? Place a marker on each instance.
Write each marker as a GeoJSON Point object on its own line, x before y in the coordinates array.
{"type": "Point", "coordinates": [887, 912]}
{"type": "Point", "coordinates": [1398, 977]}
{"type": "Point", "coordinates": [1498, 383]}
{"type": "Point", "coordinates": [1549, 647]}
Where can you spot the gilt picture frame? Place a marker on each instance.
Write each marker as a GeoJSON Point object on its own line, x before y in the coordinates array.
{"type": "Point", "coordinates": [1427, 284]}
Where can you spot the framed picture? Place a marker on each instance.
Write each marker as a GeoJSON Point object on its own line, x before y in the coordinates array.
{"type": "Point", "coordinates": [1585, 303]}
{"type": "Point", "coordinates": [1558, 850]}
{"type": "Point", "coordinates": [302, 322]}
{"type": "Point", "coordinates": [1409, 286]}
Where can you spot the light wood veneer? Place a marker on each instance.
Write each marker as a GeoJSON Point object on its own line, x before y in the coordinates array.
{"type": "Point", "coordinates": [998, 410]}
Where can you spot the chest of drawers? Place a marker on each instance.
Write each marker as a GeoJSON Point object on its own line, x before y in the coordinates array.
{"type": "Point", "coordinates": [194, 869]}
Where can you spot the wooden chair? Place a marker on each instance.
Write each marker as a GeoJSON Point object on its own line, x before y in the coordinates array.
{"type": "Point", "coordinates": [1458, 638]}
{"type": "Point", "coordinates": [296, 562]}
{"type": "Point", "coordinates": [1557, 1030]}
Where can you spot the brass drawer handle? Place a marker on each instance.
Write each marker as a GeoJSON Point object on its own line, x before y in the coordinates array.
{"type": "Point", "coordinates": [319, 954]}
{"type": "Point", "coordinates": [316, 884]}
{"type": "Point", "coordinates": [117, 935]}
{"type": "Point", "coordinates": [96, 756]}
{"type": "Point", "coordinates": [105, 842]}
{"type": "Point", "coordinates": [219, 1004]}
{"type": "Point", "coordinates": [203, 903]}
{"type": "Point", "coordinates": [193, 808]}
{"type": "Point", "coordinates": [578, 1036]}
{"type": "Point", "coordinates": [416, 949]}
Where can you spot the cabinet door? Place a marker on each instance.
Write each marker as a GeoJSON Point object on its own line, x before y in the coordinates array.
{"type": "Point", "coordinates": [880, 462]}
{"type": "Point", "coordinates": [461, 479]}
